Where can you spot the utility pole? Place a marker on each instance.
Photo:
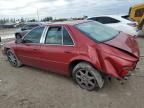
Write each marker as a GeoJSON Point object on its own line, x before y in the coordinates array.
{"type": "Point", "coordinates": [37, 14]}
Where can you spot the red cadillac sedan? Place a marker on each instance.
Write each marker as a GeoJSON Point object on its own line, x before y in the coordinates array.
{"type": "Point", "coordinates": [85, 50]}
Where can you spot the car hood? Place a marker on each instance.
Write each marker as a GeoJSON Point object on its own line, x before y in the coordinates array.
{"type": "Point", "coordinates": [18, 30]}
{"type": "Point", "coordinates": [126, 43]}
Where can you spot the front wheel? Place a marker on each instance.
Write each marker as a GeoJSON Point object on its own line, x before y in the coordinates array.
{"type": "Point", "coordinates": [87, 77]}
{"type": "Point", "coordinates": [13, 60]}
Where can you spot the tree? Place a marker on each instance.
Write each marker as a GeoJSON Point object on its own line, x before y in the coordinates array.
{"type": "Point", "coordinates": [22, 19]}
{"type": "Point", "coordinates": [47, 19]}
{"type": "Point", "coordinates": [32, 20]}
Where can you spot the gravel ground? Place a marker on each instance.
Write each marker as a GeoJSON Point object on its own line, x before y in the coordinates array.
{"type": "Point", "coordinates": [7, 33]}
{"type": "Point", "coordinates": [27, 87]}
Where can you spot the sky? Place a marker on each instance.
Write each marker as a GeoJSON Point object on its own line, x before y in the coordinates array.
{"type": "Point", "coordinates": [63, 8]}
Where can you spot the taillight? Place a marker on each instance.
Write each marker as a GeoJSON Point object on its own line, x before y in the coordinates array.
{"type": "Point", "coordinates": [123, 73]}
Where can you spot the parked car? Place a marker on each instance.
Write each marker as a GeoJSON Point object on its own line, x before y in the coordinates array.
{"type": "Point", "coordinates": [26, 28]}
{"type": "Point", "coordinates": [117, 22]}
{"type": "Point", "coordinates": [9, 25]}
{"type": "Point", "coordinates": [85, 50]}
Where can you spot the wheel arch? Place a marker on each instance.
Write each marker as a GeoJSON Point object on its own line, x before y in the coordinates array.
{"type": "Point", "coordinates": [73, 63]}
{"type": "Point", "coordinates": [6, 49]}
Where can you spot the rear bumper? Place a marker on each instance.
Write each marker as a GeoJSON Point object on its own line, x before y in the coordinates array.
{"type": "Point", "coordinates": [119, 68]}
{"type": "Point", "coordinates": [127, 71]}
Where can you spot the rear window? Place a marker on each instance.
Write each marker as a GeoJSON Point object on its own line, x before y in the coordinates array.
{"type": "Point", "coordinates": [97, 31]}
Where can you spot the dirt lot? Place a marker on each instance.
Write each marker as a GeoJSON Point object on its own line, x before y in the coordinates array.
{"type": "Point", "coordinates": [27, 87]}
{"type": "Point", "coordinates": [7, 33]}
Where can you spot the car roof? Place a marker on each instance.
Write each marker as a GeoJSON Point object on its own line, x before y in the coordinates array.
{"type": "Point", "coordinates": [72, 22]}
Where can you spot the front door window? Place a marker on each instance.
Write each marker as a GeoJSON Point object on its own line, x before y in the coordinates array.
{"type": "Point", "coordinates": [34, 36]}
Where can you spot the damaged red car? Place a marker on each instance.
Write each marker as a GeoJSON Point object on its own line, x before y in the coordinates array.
{"type": "Point", "coordinates": [85, 50]}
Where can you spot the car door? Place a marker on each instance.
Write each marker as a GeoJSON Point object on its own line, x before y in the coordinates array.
{"type": "Point", "coordinates": [29, 50]}
{"type": "Point", "coordinates": [58, 49]}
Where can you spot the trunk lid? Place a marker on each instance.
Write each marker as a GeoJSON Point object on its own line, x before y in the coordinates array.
{"type": "Point", "coordinates": [126, 43]}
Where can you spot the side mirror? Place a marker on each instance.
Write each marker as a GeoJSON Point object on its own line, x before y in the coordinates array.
{"type": "Point", "coordinates": [19, 40]}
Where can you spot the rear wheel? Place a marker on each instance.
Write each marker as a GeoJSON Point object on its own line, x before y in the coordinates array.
{"type": "Point", "coordinates": [87, 77]}
{"type": "Point", "coordinates": [13, 60]}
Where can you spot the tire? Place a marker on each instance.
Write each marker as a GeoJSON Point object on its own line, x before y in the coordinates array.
{"type": "Point", "coordinates": [13, 60]}
{"type": "Point", "coordinates": [87, 77]}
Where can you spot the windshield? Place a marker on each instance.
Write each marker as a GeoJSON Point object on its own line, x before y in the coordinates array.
{"type": "Point", "coordinates": [97, 31]}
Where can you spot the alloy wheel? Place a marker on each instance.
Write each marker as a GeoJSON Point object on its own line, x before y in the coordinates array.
{"type": "Point", "coordinates": [85, 79]}
{"type": "Point", "coordinates": [11, 58]}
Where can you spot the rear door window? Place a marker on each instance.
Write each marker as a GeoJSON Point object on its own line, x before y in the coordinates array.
{"type": "Point", "coordinates": [54, 36]}
{"type": "Point", "coordinates": [58, 35]}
